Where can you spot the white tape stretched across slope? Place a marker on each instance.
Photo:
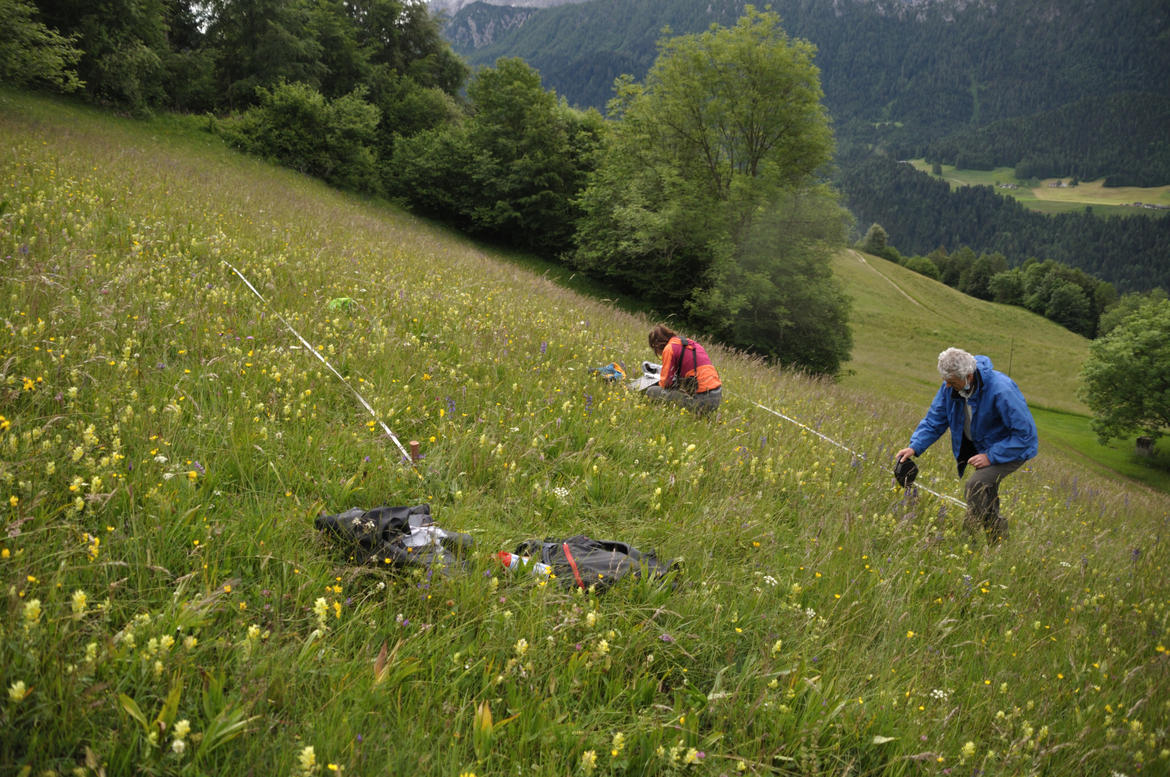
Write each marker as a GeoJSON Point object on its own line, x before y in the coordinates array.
{"type": "Point", "coordinates": [305, 342]}
{"type": "Point", "coordinates": [854, 453]}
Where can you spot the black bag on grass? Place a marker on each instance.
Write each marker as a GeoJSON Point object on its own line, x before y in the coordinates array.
{"type": "Point", "coordinates": [399, 536]}
{"type": "Point", "coordinates": [583, 562]}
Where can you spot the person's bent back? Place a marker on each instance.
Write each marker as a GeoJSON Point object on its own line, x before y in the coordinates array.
{"type": "Point", "coordinates": [688, 377]}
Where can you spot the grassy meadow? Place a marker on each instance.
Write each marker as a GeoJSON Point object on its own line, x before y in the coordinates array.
{"type": "Point", "coordinates": [1047, 198]}
{"type": "Point", "coordinates": [171, 610]}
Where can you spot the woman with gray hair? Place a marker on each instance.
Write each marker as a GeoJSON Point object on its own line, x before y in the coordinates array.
{"type": "Point", "coordinates": [991, 429]}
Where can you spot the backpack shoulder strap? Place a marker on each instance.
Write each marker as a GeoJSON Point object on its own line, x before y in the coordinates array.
{"type": "Point", "coordinates": [682, 354]}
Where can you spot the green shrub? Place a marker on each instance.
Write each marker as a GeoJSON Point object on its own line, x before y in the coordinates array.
{"type": "Point", "coordinates": [297, 127]}
{"type": "Point", "coordinates": [923, 266]}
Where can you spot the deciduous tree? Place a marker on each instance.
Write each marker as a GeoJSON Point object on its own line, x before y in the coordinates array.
{"type": "Point", "coordinates": [727, 127]}
{"type": "Point", "coordinates": [1127, 375]}
{"type": "Point", "coordinates": [31, 54]}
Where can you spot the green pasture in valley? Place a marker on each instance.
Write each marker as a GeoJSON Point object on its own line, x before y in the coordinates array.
{"type": "Point", "coordinates": [1058, 195]}
{"type": "Point", "coordinates": [171, 609]}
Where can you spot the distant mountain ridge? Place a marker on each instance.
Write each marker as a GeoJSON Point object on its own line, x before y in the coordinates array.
{"type": "Point", "coordinates": [897, 8]}
{"type": "Point", "coordinates": [482, 24]}
{"type": "Point", "coordinates": [451, 7]}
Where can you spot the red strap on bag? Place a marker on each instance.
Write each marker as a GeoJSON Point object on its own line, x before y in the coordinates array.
{"type": "Point", "coordinates": [572, 564]}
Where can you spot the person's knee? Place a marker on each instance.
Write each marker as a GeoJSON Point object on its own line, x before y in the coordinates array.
{"type": "Point", "coordinates": [978, 488]}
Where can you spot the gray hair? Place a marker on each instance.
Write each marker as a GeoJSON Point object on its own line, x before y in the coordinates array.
{"type": "Point", "coordinates": [955, 363]}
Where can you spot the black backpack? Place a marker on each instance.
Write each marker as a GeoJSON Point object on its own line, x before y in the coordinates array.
{"type": "Point", "coordinates": [583, 562]}
{"type": "Point", "coordinates": [398, 536]}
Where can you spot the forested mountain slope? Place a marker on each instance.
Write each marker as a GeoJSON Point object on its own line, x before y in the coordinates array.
{"type": "Point", "coordinates": [1122, 138]}
{"type": "Point", "coordinates": [916, 70]}
{"type": "Point", "coordinates": [922, 214]}
{"type": "Point", "coordinates": [1073, 88]}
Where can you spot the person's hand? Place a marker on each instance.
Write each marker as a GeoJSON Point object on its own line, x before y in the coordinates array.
{"type": "Point", "coordinates": [905, 453]}
{"type": "Point", "coordinates": [979, 461]}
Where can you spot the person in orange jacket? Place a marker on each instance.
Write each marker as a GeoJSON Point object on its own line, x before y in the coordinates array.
{"type": "Point", "coordinates": [684, 362]}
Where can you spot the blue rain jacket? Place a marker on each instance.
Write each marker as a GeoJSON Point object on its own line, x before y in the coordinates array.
{"type": "Point", "coordinates": [1001, 424]}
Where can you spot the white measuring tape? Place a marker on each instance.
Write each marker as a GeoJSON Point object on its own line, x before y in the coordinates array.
{"type": "Point", "coordinates": [853, 452]}
{"type": "Point", "coordinates": [306, 343]}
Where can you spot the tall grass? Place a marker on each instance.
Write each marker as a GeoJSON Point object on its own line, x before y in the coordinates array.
{"type": "Point", "coordinates": [170, 609]}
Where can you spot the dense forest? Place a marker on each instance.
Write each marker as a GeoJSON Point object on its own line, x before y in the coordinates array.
{"type": "Point", "coordinates": [921, 213]}
{"type": "Point", "coordinates": [139, 55]}
{"type": "Point", "coordinates": [1122, 138]}
{"type": "Point", "coordinates": [893, 73]}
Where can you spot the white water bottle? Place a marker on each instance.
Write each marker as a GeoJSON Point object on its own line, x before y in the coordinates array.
{"type": "Point", "coordinates": [512, 562]}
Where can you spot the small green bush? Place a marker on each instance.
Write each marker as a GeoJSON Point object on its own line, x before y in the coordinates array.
{"type": "Point", "coordinates": [297, 127]}
{"type": "Point", "coordinates": [923, 266]}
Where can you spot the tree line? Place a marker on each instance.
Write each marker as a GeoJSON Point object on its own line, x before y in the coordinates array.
{"type": "Point", "coordinates": [190, 56]}
{"type": "Point", "coordinates": [704, 202]}
{"type": "Point", "coordinates": [921, 213]}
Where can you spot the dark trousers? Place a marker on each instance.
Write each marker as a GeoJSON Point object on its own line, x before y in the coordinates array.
{"type": "Point", "coordinates": [700, 404]}
{"type": "Point", "coordinates": [983, 501]}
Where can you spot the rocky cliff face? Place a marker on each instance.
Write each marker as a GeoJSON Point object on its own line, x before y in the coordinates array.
{"type": "Point", "coordinates": [452, 7]}
{"type": "Point", "coordinates": [481, 25]}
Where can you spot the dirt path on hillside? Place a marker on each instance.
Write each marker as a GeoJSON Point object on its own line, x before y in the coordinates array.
{"type": "Point", "coordinates": [901, 291]}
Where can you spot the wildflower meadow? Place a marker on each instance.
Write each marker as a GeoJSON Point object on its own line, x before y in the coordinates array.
{"type": "Point", "coordinates": [170, 609]}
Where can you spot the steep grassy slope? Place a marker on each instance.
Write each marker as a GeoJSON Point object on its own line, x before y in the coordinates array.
{"type": "Point", "coordinates": [170, 609]}
{"type": "Point", "coordinates": [901, 320]}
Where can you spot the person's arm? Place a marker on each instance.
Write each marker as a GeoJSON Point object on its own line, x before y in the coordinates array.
{"type": "Point", "coordinates": [933, 424]}
{"type": "Point", "coordinates": [667, 358]}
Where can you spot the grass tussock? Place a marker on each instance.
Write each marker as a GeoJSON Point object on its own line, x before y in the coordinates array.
{"type": "Point", "coordinates": [169, 608]}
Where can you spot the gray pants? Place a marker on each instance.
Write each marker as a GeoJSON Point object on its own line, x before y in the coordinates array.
{"type": "Point", "coordinates": [983, 501]}
{"type": "Point", "coordinates": [700, 404]}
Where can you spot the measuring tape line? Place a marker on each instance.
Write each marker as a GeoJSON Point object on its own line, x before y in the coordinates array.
{"type": "Point", "coordinates": [314, 351]}
{"type": "Point", "coordinates": [854, 453]}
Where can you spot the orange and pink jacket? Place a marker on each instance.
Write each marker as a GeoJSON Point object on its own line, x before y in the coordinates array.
{"type": "Point", "coordinates": [702, 369]}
